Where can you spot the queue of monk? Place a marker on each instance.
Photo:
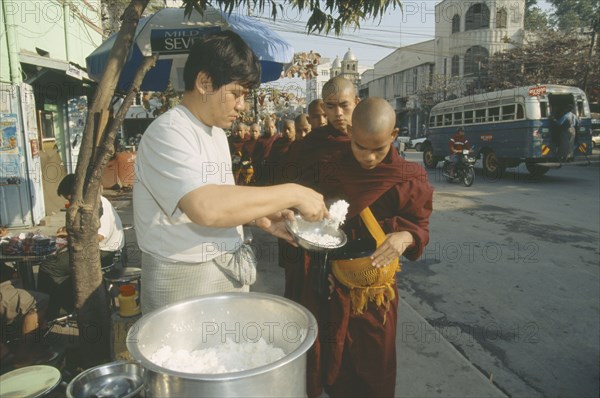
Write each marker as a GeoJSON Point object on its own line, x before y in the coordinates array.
{"type": "Point", "coordinates": [259, 150]}
{"type": "Point", "coordinates": [347, 154]}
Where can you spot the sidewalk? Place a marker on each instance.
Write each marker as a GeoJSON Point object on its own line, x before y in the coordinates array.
{"type": "Point", "coordinates": [428, 365]}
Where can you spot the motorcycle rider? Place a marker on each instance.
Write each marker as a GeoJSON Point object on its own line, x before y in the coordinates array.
{"type": "Point", "coordinates": [457, 143]}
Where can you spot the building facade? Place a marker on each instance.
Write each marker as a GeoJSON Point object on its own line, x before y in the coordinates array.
{"type": "Point", "coordinates": [414, 77]}
{"type": "Point", "coordinates": [348, 68]}
{"type": "Point", "coordinates": [43, 100]}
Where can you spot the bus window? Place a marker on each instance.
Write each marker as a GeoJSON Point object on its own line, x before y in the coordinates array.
{"type": "Point", "coordinates": [431, 121]}
{"type": "Point", "coordinates": [468, 117]}
{"type": "Point", "coordinates": [494, 114]}
{"type": "Point", "coordinates": [447, 119]}
{"type": "Point", "coordinates": [439, 120]}
{"type": "Point", "coordinates": [480, 115]}
{"type": "Point", "coordinates": [508, 112]}
{"type": "Point", "coordinates": [457, 117]}
{"type": "Point", "coordinates": [520, 112]}
{"type": "Point", "coordinates": [580, 110]}
{"type": "Point", "coordinates": [544, 109]}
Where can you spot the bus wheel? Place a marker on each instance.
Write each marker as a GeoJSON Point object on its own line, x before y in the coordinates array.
{"type": "Point", "coordinates": [536, 171]}
{"type": "Point", "coordinates": [428, 159]}
{"type": "Point", "coordinates": [492, 166]}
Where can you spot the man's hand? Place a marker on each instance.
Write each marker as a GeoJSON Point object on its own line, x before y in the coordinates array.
{"type": "Point", "coordinates": [275, 225]}
{"type": "Point", "coordinates": [310, 203]}
{"type": "Point", "coordinates": [394, 246]}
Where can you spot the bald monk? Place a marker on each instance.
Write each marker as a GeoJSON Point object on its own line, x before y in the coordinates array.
{"type": "Point", "coordinates": [302, 125]}
{"type": "Point", "coordinates": [279, 151]}
{"type": "Point", "coordinates": [306, 157]}
{"type": "Point", "coordinates": [339, 100]}
{"type": "Point", "coordinates": [357, 348]}
{"type": "Point", "coordinates": [262, 150]}
{"type": "Point", "coordinates": [316, 114]}
{"type": "Point", "coordinates": [246, 176]}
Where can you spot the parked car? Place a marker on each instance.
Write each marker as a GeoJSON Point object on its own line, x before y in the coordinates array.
{"type": "Point", "coordinates": [596, 139]}
{"type": "Point", "coordinates": [417, 143]}
{"type": "Point", "coordinates": [403, 137]}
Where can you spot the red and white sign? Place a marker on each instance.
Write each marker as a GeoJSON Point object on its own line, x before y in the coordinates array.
{"type": "Point", "coordinates": [537, 91]}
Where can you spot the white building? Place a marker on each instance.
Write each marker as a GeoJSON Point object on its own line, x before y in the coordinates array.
{"type": "Point", "coordinates": [466, 33]}
{"type": "Point", "coordinates": [347, 68]}
{"type": "Point", "coordinates": [315, 85]}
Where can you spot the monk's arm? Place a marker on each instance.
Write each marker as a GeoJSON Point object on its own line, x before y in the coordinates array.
{"type": "Point", "coordinates": [414, 209]}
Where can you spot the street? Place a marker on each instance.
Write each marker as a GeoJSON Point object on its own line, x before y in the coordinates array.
{"type": "Point", "coordinates": [511, 277]}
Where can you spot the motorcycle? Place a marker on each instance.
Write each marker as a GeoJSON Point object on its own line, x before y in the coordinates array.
{"type": "Point", "coordinates": [464, 170]}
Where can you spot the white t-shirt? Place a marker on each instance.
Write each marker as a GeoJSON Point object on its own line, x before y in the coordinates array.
{"type": "Point", "coordinates": [111, 228]}
{"type": "Point", "coordinates": [177, 154]}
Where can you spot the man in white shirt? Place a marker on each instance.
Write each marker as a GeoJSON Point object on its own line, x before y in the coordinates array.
{"type": "Point", "coordinates": [186, 205]}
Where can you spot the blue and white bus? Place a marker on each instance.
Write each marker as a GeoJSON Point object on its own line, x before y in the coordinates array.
{"type": "Point", "coordinates": [509, 127]}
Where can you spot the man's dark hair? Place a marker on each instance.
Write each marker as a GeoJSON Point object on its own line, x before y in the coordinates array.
{"type": "Point", "coordinates": [225, 58]}
{"type": "Point", "coordinates": [66, 186]}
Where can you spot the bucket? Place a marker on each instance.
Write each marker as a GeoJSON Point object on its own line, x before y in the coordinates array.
{"type": "Point", "coordinates": [208, 322]}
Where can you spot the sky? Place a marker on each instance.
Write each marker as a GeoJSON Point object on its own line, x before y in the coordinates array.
{"type": "Point", "coordinates": [372, 42]}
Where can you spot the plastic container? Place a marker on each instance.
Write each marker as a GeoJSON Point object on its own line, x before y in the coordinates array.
{"type": "Point", "coordinates": [129, 303]}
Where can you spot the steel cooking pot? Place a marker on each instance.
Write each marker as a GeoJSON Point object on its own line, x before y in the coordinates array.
{"type": "Point", "coordinates": [208, 321]}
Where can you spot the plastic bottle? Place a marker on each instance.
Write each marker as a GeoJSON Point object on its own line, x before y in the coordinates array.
{"type": "Point", "coordinates": [129, 304]}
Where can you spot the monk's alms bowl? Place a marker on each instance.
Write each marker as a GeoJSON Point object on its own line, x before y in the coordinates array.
{"type": "Point", "coordinates": [300, 229]}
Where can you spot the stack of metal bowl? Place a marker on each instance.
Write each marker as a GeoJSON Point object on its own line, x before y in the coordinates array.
{"type": "Point", "coordinates": [208, 322]}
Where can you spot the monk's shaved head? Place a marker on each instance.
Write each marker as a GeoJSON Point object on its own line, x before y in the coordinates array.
{"type": "Point", "coordinates": [372, 132]}
{"type": "Point", "coordinates": [339, 100]}
{"type": "Point", "coordinates": [373, 115]}
{"type": "Point", "coordinates": [337, 85]}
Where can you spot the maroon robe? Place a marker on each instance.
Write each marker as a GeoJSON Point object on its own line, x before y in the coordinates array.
{"type": "Point", "coordinates": [235, 144]}
{"type": "Point", "coordinates": [261, 152]}
{"type": "Point", "coordinates": [356, 354]}
{"type": "Point", "coordinates": [309, 155]}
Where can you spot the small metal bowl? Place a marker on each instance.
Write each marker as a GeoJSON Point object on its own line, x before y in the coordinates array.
{"type": "Point", "coordinates": [298, 227]}
{"type": "Point", "coordinates": [119, 379]}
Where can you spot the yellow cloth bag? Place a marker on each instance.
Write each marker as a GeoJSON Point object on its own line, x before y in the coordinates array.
{"type": "Point", "coordinates": [366, 282]}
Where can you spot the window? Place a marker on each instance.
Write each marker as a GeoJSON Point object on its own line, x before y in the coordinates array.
{"type": "Point", "coordinates": [447, 119]}
{"type": "Point", "coordinates": [457, 117]}
{"type": "Point", "coordinates": [455, 65]}
{"type": "Point", "coordinates": [353, 67]}
{"type": "Point", "coordinates": [438, 120]}
{"type": "Point", "coordinates": [480, 115]}
{"type": "Point", "coordinates": [508, 112]}
{"type": "Point", "coordinates": [477, 17]}
{"type": "Point", "coordinates": [468, 117]}
{"type": "Point", "coordinates": [474, 58]}
{"type": "Point", "coordinates": [520, 111]}
{"type": "Point", "coordinates": [501, 18]}
{"type": "Point", "coordinates": [494, 114]}
{"type": "Point", "coordinates": [456, 23]}
{"type": "Point", "coordinates": [544, 109]}
{"type": "Point", "coordinates": [431, 121]}
{"type": "Point", "coordinates": [415, 79]}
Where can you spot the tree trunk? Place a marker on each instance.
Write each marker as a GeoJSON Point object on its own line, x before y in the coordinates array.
{"type": "Point", "coordinates": [91, 301]}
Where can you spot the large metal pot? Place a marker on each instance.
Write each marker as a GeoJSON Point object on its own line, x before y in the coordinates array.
{"type": "Point", "coordinates": [207, 322]}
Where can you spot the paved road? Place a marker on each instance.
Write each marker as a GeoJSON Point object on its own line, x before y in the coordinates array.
{"type": "Point", "coordinates": [511, 278]}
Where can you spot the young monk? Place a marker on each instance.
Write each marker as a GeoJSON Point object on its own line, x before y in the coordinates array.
{"type": "Point", "coordinates": [302, 125]}
{"type": "Point", "coordinates": [316, 114]}
{"type": "Point", "coordinates": [278, 153]}
{"type": "Point", "coordinates": [246, 176]}
{"type": "Point", "coordinates": [262, 151]}
{"type": "Point", "coordinates": [306, 157]}
{"type": "Point", "coordinates": [339, 100]}
{"type": "Point", "coordinates": [357, 327]}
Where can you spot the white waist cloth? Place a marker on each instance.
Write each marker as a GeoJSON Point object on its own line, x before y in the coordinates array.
{"type": "Point", "coordinates": [168, 282]}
